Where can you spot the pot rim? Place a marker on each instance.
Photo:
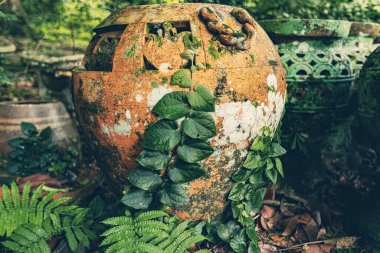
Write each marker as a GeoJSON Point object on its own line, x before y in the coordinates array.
{"type": "Point", "coordinates": [111, 20]}
{"type": "Point", "coordinates": [365, 29]}
{"type": "Point", "coordinates": [298, 28]}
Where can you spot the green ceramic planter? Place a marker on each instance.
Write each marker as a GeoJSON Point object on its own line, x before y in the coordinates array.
{"type": "Point", "coordinates": [358, 45]}
{"type": "Point", "coordinates": [369, 97]}
{"type": "Point", "coordinates": [318, 73]}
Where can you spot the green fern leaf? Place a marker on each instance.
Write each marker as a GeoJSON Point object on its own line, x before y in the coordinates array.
{"type": "Point", "coordinates": [150, 215]}
{"type": "Point", "coordinates": [28, 223]}
{"type": "Point", "coordinates": [146, 234]}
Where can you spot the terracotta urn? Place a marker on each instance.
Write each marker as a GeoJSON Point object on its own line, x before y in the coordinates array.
{"type": "Point", "coordinates": [318, 73]}
{"type": "Point", "coordinates": [127, 69]}
{"type": "Point", "coordinates": [369, 97]}
{"type": "Point", "coordinates": [41, 114]}
{"type": "Point", "coordinates": [358, 45]}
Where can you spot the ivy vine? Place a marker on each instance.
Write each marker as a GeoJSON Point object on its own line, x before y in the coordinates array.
{"type": "Point", "coordinates": [173, 146]}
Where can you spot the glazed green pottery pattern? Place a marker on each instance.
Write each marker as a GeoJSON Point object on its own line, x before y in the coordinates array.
{"type": "Point", "coordinates": [318, 73]}
{"type": "Point", "coordinates": [369, 96]}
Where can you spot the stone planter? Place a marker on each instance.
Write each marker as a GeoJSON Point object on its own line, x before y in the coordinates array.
{"type": "Point", "coordinates": [318, 74]}
{"type": "Point", "coordinates": [41, 114]}
{"type": "Point", "coordinates": [369, 97]}
{"type": "Point", "coordinates": [358, 45]}
{"type": "Point", "coordinates": [126, 73]}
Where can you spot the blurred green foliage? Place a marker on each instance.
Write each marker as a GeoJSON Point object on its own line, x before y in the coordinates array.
{"type": "Point", "coordinates": [70, 21]}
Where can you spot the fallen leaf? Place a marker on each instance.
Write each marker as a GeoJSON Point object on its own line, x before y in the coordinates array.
{"type": "Point", "coordinates": [342, 242]}
{"type": "Point", "coordinates": [267, 213]}
{"type": "Point", "coordinates": [36, 180]}
{"type": "Point", "coordinates": [291, 223]}
{"type": "Point", "coordinates": [318, 248]}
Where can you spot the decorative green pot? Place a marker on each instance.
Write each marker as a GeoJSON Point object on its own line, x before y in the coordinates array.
{"type": "Point", "coordinates": [369, 97]}
{"type": "Point", "coordinates": [358, 44]}
{"type": "Point", "coordinates": [318, 73]}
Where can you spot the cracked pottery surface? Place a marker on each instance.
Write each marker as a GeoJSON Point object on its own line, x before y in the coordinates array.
{"type": "Point", "coordinates": [128, 66]}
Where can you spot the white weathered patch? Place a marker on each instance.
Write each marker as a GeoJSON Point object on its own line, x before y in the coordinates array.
{"type": "Point", "coordinates": [128, 114]}
{"type": "Point", "coordinates": [105, 129]}
{"type": "Point", "coordinates": [122, 128]}
{"type": "Point", "coordinates": [139, 98]}
{"type": "Point", "coordinates": [164, 67]}
{"type": "Point", "coordinates": [272, 81]}
{"type": "Point", "coordinates": [156, 94]}
{"type": "Point", "coordinates": [243, 121]}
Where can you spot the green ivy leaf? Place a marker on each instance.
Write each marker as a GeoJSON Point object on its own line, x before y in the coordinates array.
{"type": "Point", "coordinates": [254, 248]}
{"type": "Point", "coordinates": [254, 161]}
{"type": "Point", "coordinates": [153, 160]}
{"type": "Point", "coordinates": [173, 195]}
{"type": "Point", "coordinates": [202, 99]}
{"type": "Point", "coordinates": [144, 178]}
{"type": "Point", "coordinates": [182, 78]}
{"type": "Point", "coordinates": [137, 199]}
{"type": "Point", "coordinates": [256, 179]}
{"type": "Point", "coordinates": [272, 175]}
{"type": "Point", "coordinates": [279, 166]}
{"type": "Point", "coordinates": [241, 175]}
{"type": "Point", "coordinates": [46, 133]}
{"type": "Point", "coordinates": [238, 191]}
{"type": "Point", "coordinates": [251, 233]}
{"type": "Point", "coordinates": [172, 106]}
{"type": "Point", "coordinates": [237, 242]}
{"type": "Point", "coordinates": [277, 150]}
{"type": "Point", "coordinates": [261, 143]}
{"type": "Point", "coordinates": [18, 143]}
{"type": "Point", "coordinates": [183, 172]}
{"type": "Point", "coordinates": [194, 151]}
{"type": "Point", "coordinates": [28, 129]}
{"type": "Point", "coordinates": [162, 136]}
{"type": "Point", "coordinates": [227, 231]}
{"type": "Point", "coordinates": [254, 200]}
{"type": "Point", "coordinates": [200, 126]}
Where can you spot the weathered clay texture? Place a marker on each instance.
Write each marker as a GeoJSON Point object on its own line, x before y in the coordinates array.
{"type": "Point", "coordinates": [114, 99]}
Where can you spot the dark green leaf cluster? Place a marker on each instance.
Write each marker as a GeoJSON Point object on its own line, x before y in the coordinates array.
{"type": "Point", "coordinates": [37, 153]}
{"type": "Point", "coordinates": [29, 221]}
{"type": "Point", "coordinates": [172, 151]}
{"type": "Point", "coordinates": [148, 232]}
{"type": "Point", "coordinates": [261, 167]}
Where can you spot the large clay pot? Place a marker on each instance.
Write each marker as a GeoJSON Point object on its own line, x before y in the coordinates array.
{"type": "Point", "coordinates": [369, 97]}
{"type": "Point", "coordinates": [127, 73]}
{"type": "Point", "coordinates": [41, 114]}
{"type": "Point", "coordinates": [318, 74]}
{"type": "Point", "coordinates": [358, 45]}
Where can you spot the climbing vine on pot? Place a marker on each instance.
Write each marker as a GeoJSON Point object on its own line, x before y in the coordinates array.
{"type": "Point", "coordinates": [173, 146]}
{"type": "Point", "coordinates": [260, 169]}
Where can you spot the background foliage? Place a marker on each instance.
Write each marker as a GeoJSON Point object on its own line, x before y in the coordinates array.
{"type": "Point", "coordinates": [71, 21]}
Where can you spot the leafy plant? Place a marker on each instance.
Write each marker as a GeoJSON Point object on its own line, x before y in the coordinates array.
{"type": "Point", "coordinates": [37, 153]}
{"type": "Point", "coordinates": [172, 151]}
{"type": "Point", "coordinates": [145, 232]}
{"type": "Point", "coordinates": [28, 222]}
{"type": "Point", "coordinates": [260, 168]}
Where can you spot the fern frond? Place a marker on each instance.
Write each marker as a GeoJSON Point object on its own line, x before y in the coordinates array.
{"type": "Point", "coordinates": [150, 215]}
{"type": "Point", "coordinates": [146, 234]}
{"type": "Point", "coordinates": [28, 238]}
{"type": "Point", "coordinates": [28, 222]}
